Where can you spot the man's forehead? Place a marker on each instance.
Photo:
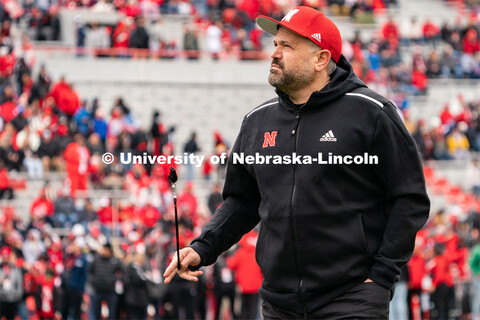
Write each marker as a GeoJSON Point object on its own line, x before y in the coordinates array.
{"type": "Point", "coordinates": [284, 34]}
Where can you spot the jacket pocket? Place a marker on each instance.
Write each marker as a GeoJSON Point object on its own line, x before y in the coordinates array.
{"type": "Point", "coordinates": [261, 250]}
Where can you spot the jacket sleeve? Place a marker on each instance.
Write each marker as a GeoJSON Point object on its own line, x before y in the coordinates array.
{"type": "Point", "coordinates": [407, 203]}
{"type": "Point", "coordinates": [237, 215]}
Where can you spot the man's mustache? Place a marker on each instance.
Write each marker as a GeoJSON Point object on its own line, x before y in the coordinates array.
{"type": "Point", "coordinates": [277, 62]}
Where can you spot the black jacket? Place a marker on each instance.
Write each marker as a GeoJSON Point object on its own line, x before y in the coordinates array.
{"type": "Point", "coordinates": [136, 293]}
{"type": "Point", "coordinates": [139, 38]}
{"type": "Point", "coordinates": [325, 228]}
{"type": "Point", "coordinates": [104, 272]}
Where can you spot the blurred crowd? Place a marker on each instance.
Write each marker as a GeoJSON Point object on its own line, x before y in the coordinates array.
{"type": "Point", "coordinates": [97, 272]}
{"type": "Point", "coordinates": [454, 134]}
{"type": "Point", "coordinates": [400, 60]}
{"type": "Point", "coordinates": [441, 279]}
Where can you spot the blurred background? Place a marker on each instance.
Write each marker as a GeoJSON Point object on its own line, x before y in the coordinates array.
{"type": "Point", "coordinates": [84, 240]}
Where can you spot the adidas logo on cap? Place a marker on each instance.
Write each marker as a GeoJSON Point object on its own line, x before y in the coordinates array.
{"type": "Point", "coordinates": [328, 136]}
{"type": "Point", "coordinates": [317, 36]}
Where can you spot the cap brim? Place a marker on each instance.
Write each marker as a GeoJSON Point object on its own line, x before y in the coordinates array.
{"type": "Point", "coordinates": [268, 24]}
{"type": "Point", "coordinates": [271, 25]}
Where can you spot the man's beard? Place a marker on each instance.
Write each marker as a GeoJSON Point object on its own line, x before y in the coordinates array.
{"type": "Point", "coordinates": [289, 80]}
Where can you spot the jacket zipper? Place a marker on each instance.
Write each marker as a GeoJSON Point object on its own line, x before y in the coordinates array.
{"type": "Point", "coordinates": [292, 220]}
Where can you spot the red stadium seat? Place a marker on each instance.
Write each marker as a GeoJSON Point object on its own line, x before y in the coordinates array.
{"type": "Point", "coordinates": [19, 184]}
{"type": "Point", "coordinates": [429, 174]}
{"type": "Point", "coordinates": [454, 194]}
{"type": "Point", "coordinates": [440, 185]}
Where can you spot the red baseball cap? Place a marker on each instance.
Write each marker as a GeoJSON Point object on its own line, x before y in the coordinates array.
{"type": "Point", "coordinates": [308, 23]}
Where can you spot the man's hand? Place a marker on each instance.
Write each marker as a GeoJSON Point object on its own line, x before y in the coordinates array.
{"type": "Point", "coordinates": [188, 257]}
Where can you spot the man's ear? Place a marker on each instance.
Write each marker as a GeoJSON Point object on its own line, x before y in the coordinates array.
{"type": "Point", "coordinates": [322, 59]}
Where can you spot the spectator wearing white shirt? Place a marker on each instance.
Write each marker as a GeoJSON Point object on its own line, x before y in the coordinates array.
{"type": "Point", "coordinates": [213, 39]}
{"type": "Point", "coordinates": [411, 31]}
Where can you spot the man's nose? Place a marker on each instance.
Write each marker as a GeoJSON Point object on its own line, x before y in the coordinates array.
{"type": "Point", "coordinates": [276, 53]}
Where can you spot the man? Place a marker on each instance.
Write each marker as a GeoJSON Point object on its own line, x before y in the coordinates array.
{"type": "Point", "coordinates": [474, 263]}
{"type": "Point", "coordinates": [215, 198]}
{"type": "Point", "coordinates": [104, 274]}
{"type": "Point", "coordinates": [139, 39]}
{"type": "Point", "coordinates": [191, 147]}
{"type": "Point", "coordinates": [77, 159]}
{"type": "Point", "coordinates": [64, 212]}
{"type": "Point", "coordinates": [248, 275]}
{"type": "Point", "coordinates": [333, 237]}
{"type": "Point", "coordinates": [11, 279]}
{"type": "Point", "coordinates": [73, 280]}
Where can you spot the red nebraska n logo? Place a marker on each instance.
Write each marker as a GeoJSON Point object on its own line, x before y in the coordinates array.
{"type": "Point", "coordinates": [269, 140]}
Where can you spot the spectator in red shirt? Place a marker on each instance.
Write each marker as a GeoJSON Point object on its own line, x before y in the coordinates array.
{"type": "Point", "coordinates": [149, 215]}
{"type": "Point", "coordinates": [247, 274]}
{"type": "Point", "coordinates": [57, 88]}
{"type": "Point", "coordinates": [55, 253]}
{"type": "Point", "coordinates": [250, 7]}
{"type": "Point", "coordinates": [77, 159]}
{"type": "Point", "coordinates": [7, 62]}
{"type": "Point", "coordinates": [65, 97]}
{"type": "Point", "coordinates": [446, 117]}
{"type": "Point", "coordinates": [159, 177]}
{"type": "Point", "coordinates": [470, 42]}
{"type": "Point", "coordinates": [42, 208]}
{"type": "Point", "coordinates": [105, 213]}
{"type": "Point", "coordinates": [390, 30]}
{"type": "Point", "coordinates": [131, 9]}
{"type": "Point", "coordinates": [443, 295]}
{"type": "Point", "coordinates": [121, 37]}
{"type": "Point", "coordinates": [45, 295]}
{"type": "Point", "coordinates": [5, 190]}
{"type": "Point", "coordinates": [8, 104]}
{"type": "Point", "coordinates": [267, 7]}
{"type": "Point", "coordinates": [419, 79]}
{"type": "Point", "coordinates": [256, 39]}
{"type": "Point", "coordinates": [27, 84]}
{"type": "Point", "coordinates": [431, 32]}
{"type": "Point", "coordinates": [187, 201]}
{"type": "Point", "coordinates": [126, 212]}
{"type": "Point", "coordinates": [416, 272]}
